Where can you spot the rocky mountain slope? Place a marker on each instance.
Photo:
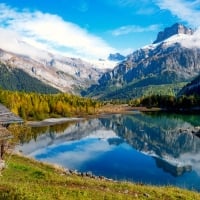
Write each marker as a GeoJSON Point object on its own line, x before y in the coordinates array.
{"type": "Point", "coordinates": [173, 30]}
{"type": "Point", "coordinates": [64, 73]}
{"type": "Point", "coordinates": [116, 57]}
{"type": "Point", "coordinates": [171, 59]}
{"type": "Point", "coordinates": [17, 79]}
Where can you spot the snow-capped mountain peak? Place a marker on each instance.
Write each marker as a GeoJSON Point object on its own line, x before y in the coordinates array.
{"type": "Point", "coordinates": [172, 59]}
{"type": "Point", "coordinates": [176, 34]}
{"type": "Point", "coordinates": [173, 30]}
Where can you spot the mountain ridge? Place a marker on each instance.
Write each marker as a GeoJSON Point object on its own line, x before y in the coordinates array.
{"type": "Point", "coordinates": [166, 62]}
{"type": "Point", "coordinates": [64, 73]}
{"type": "Point", "coordinates": [173, 30]}
{"type": "Point", "coordinates": [172, 59]}
{"type": "Point", "coordinates": [116, 57]}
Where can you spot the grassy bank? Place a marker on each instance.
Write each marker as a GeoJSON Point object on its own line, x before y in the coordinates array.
{"type": "Point", "coordinates": [28, 179]}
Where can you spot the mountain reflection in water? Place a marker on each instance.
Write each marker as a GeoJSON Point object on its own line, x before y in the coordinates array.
{"type": "Point", "coordinates": [154, 148]}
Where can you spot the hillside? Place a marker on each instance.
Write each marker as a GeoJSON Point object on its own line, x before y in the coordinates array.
{"type": "Point", "coordinates": [27, 179]}
{"type": "Point", "coordinates": [170, 61]}
{"type": "Point", "coordinates": [61, 72]}
{"type": "Point", "coordinates": [17, 79]}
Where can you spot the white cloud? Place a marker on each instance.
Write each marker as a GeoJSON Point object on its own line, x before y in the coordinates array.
{"type": "Point", "coordinates": [124, 30]}
{"type": "Point", "coordinates": [82, 152]}
{"type": "Point", "coordinates": [53, 33]}
{"type": "Point", "coordinates": [11, 42]}
{"type": "Point", "coordinates": [192, 41]}
{"type": "Point", "coordinates": [184, 9]}
{"type": "Point", "coordinates": [126, 51]}
{"type": "Point", "coordinates": [188, 11]}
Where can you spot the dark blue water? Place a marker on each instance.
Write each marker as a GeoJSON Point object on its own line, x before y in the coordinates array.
{"type": "Point", "coordinates": [154, 149]}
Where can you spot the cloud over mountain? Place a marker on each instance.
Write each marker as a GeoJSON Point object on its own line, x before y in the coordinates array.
{"type": "Point", "coordinates": [123, 30]}
{"type": "Point", "coordinates": [53, 33]}
{"type": "Point", "coordinates": [186, 10]}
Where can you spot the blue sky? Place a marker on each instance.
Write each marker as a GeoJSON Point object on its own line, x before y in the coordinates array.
{"type": "Point", "coordinates": [94, 28]}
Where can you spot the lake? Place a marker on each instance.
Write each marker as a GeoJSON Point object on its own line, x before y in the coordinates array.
{"type": "Point", "coordinates": [156, 148]}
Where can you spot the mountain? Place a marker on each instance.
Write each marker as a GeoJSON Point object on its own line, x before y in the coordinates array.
{"type": "Point", "coordinates": [63, 73]}
{"type": "Point", "coordinates": [192, 88]}
{"type": "Point", "coordinates": [17, 79]}
{"type": "Point", "coordinates": [116, 57]}
{"type": "Point", "coordinates": [165, 65]}
{"type": "Point", "coordinates": [173, 30]}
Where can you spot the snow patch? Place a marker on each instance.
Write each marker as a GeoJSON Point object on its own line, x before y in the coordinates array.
{"type": "Point", "coordinates": [187, 41]}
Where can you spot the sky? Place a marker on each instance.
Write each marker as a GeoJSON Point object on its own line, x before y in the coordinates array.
{"type": "Point", "coordinates": [94, 28]}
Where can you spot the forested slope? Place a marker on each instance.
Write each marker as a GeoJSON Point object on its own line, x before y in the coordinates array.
{"type": "Point", "coordinates": [17, 79]}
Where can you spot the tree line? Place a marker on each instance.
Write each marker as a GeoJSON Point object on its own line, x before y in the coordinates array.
{"type": "Point", "coordinates": [169, 102]}
{"type": "Point", "coordinates": [39, 106]}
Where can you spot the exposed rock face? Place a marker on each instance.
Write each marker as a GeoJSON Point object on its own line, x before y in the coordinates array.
{"type": "Point", "coordinates": [161, 65]}
{"type": "Point", "coordinates": [116, 57]}
{"type": "Point", "coordinates": [181, 61]}
{"type": "Point", "coordinates": [173, 30]}
{"type": "Point", "coordinates": [167, 62]}
{"type": "Point", "coordinates": [66, 74]}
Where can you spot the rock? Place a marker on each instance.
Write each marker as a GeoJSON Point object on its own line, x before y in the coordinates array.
{"type": "Point", "coordinates": [93, 176]}
{"type": "Point", "coordinates": [126, 192]}
{"type": "Point", "coordinates": [66, 171]}
{"type": "Point", "coordinates": [173, 30]}
{"type": "Point", "coordinates": [75, 172]}
{"type": "Point", "coordinates": [116, 57]}
{"type": "Point", "coordinates": [84, 174]}
{"type": "Point", "coordinates": [89, 174]}
{"type": "Point", "coordinates": [2, 165]}
{"type": "Point", "coordinates": [101, 177]}
{"type": "Point", "coordinates": [147, 195]}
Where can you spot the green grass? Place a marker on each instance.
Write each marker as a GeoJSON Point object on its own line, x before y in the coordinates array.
{"type": "Point", "coordinates": [28, 179]}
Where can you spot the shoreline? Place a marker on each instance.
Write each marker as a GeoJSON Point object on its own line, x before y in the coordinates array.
{"type": "Point", "coordinates": [106, 110]}
{"type": "Point", "coordinates": [124, 108]}
{"type": "Point", "coordinates": [53, 121]}
{"type": "Point", "coordinates": [68, 171]}
{"type": "Point", "coordinates": [30, 179]}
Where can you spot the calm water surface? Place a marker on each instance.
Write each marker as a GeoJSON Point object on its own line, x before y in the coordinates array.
{"type": "Point", "coordinates": [155, 149]}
